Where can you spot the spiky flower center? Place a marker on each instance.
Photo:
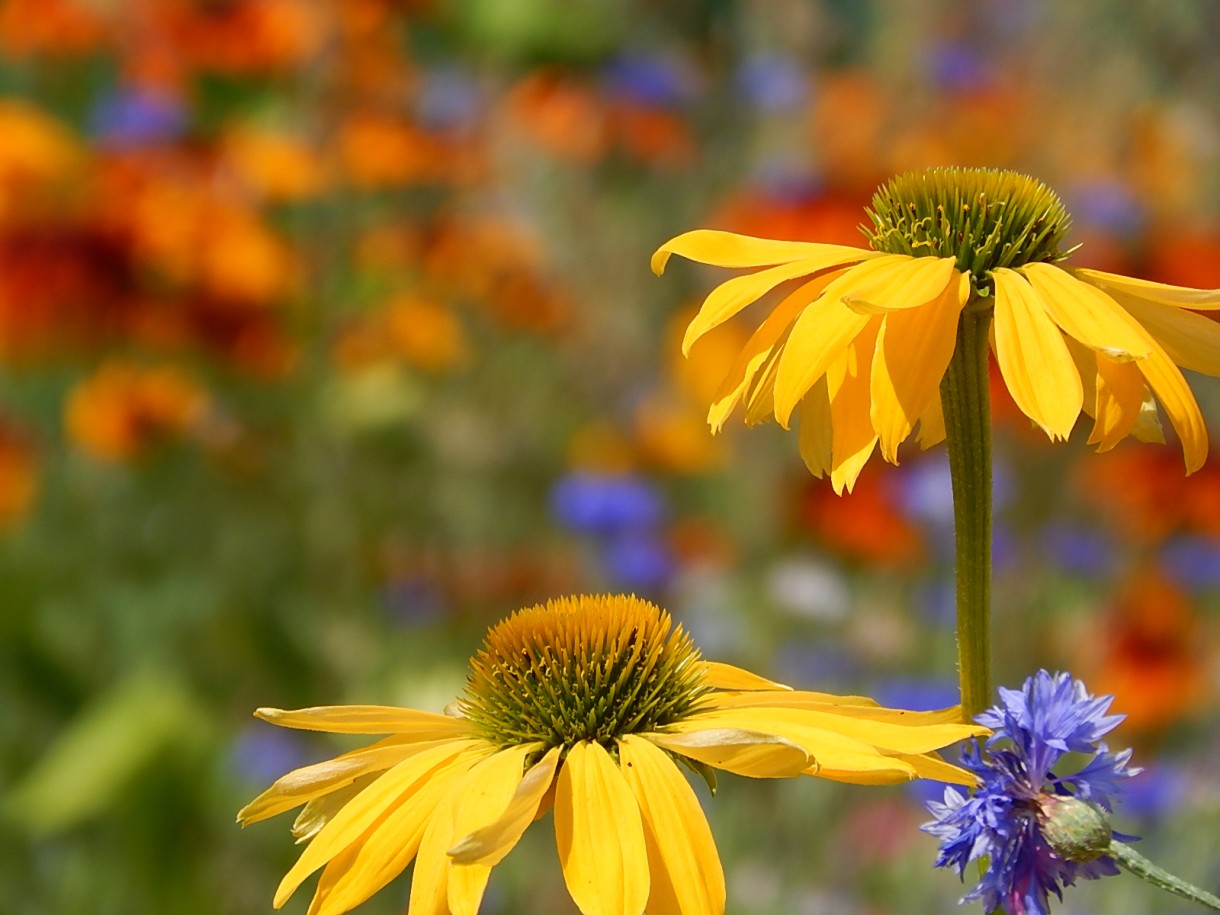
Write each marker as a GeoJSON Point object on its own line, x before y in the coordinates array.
{"type": "Point", "coordinates": [984, 218]}
{"type": "Point", "coordinates": [582, 668]}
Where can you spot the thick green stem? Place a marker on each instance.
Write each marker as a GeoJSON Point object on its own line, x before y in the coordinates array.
{"type": "Point", "coordinates": [965, 398]}
{"type": "Point", "coordinates": [1137, 864]}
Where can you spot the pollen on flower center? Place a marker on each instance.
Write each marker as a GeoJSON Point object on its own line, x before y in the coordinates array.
{"type": "Point", "coordinates": [582, 668]}
{"type": "Point", "coordinates": [985, 218]}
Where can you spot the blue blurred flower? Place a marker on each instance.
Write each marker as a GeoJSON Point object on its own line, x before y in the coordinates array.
{"type": "Point", "coordinates": [449, 99]}
{"type": "Point", "coordinates": [649, 79]}
{"type": "Point", "coordinates": [958, 65]}
{"type": "Point", "coordinates": [262, 755]}
{"type": "Point", "coordinates": [606, 504]}
{"type": "Point", "coordinates": [1079, 549]}
{"type": "Point", "coordinates": [773, 82]}
{"type": "Point", "coordinates": [1015, 817]}
{"type": "Point", "coordinates": [1194, 562]}
{"type": "Point", "coordinates": [137, 117]}
{"type": "Point", "coordinates": [637, 561]}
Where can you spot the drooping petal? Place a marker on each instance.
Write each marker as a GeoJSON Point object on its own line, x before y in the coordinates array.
{"type": "Point", "coordinates": [760, 348]}
{"type": "Point", "coordinates": [1179, 405]}
{"type": "Point", "coordinates": [305, 784]}
{"type": "Point", "coordinates": [748, 753]}
{"type": "Point", "coordinates": [728, 249]}
{"type": "Point", "coordinates": [430, 879]}
{"type": "Point", "coordinates": [931, 766]}
{"type": "Point", "coordinates": [488, 789]}
{"type": "Point", "coordinates": [387, 847]}
{"type": "Point", "coordinates": [1190, 340]}
{"type": "Point", "coordinates": [847, 384]}
{"type": "Point", "coordinates": [600, 835]}
{"type": "Point", "coordinates": [489, 844]}
{"type": "Point", "coordinates": [1182, 296]}
{"type": "Point", "coordinates": [733, 295]}
{"type": "Point", "coordinates": [719, 675]}
{"type": "Point", "coordinates": [818, 337]}
{"type": "Point", "coordinates": [913, 350]}
{"type": "Point", "coordinates": [804, 725]}
{"type": "Point", "coordinates": [909, 283]}
{"type": "Point", "coordinates": [362, 811]}
{"type": "Point", "coordinates": [1033, 356]}
{"type": "Point", "coordinates": [815, 430]}
{"type": "Point", "coordinates": [369, 719]}
{"type": "Point", "coordinates": [1087, 313]}
{"type": "Point", "coordinates": [855, 706]}
{"type": "Point", "coordinates": [321, 810]}
{"type": "Point", "coordinates": [686, 876]}
{"type": "Point", "coordinates": [1113, 414]}
{"type": "Point", "coordinates": [931, 425]}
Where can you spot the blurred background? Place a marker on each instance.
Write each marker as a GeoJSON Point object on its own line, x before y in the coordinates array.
{"type": "Point", "coordinates": [327, 338]}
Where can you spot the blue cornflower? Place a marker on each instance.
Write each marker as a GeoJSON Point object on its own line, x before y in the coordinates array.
{"type": "Point", "coordinates": [1024, 818]}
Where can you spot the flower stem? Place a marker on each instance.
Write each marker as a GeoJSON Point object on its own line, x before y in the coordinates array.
{"type": "Point", "coordinates": [1137, 864]}
{"type": "Point", "coordinates": [965, 399]}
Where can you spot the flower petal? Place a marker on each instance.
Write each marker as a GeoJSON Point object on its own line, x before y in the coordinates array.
{"type": "Point", "coordinates": [387, 847]}
{"type": "Point", "coordinates": [733, 295]}
{"type": "Point", "coordinates": [728, 249]}
{"type": "Point", "coordinates": [909, 282]}
{"type": "Point", "coordinates": [488, 789]}
{"type": "Point", "coordinates": [1033, 357]}
{"type": "Point", "coordinates": [489, 844]}
{"type": "Point", "coordinates": [1087, 313]}
{"type": "Point", "coordinates": [368, 719]}
{"type": "Point", "coordinates": [759, 348]}
{"type": "Point", "coordinates": [600, 835]}
{"type": "Point", "coordinates": [1183, 296]}
{"type": "Point", "coordinates": [309, 782]}
{"type": "Point", "coordinates": [743, 752]}
{"type": "Point", "coordinates": [931, 425]}
{"type": "Point", "coordinates": [382, 796]}
{"type": "Point", "coordinates": [815, 430]}
{"type": "Point", "coordinates": [848, 385]}
{"type": "Point", "coordinates": [1109, 401]}
{"type": "Point", "coordinates": [684, 867]}
{"type": "Point", "coordinates": [819, 336]}
{"type": "Point", "coordinates": [1190, 340]}
{"type": "Point", "coordinates": [913, 350]}
{"type": "Point", "coordinates": [719, 675]}
{"type": "Point", "coordinates": [1179, 405]}
{"type": "Point", "coordinates": [931, 766]}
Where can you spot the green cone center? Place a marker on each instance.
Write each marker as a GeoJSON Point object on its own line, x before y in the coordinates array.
{"type": "Point", "coordinates": [582, 668]}
{"type": "Point", "coordinates": [984, 218]}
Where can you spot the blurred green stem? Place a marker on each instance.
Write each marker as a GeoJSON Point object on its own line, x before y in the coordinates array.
{"type": "Point", "coordinates": [965, 399]}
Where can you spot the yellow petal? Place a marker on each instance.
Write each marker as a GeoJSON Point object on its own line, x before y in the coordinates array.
{"type": "Point", "coordinates": [489, 844]}
{"type": "Point", "coordinates": [728, 249]}
{"type": "Point", "coordinates": [387, 847]}
{"type": "Point", "coordinates": [1190, 340]}
{"type": "Point", "coordinates": [321, 810]}
{"type": "Point", "coordinates": [719, 675]}
{"type": "Point", "coordinates": [848, 383]}
{"type": "Point", "coordinates": [600, 835]}
{"type": "Point", "coordinates": [384, 795]}
{"type": "Point", "coordinates": [1183, 296]}
{"type": "Point", "coordinates": [815, 430]}
{"type": "Point", "coordinates": [931, 425]}
{"type": "Point", "coordinates": [368, 719]}
{"type": "Point", "coordinates": [856, 706]}
{"type": "Point", "coordinates": [733, 295]}
{"type": "Point", "coordinates": [760, 348]}
{"type": "Point", "coordinates": [1109, 403]}
{"type": "Point", "coordinates": [907, 282]}
{"type": "Point", "coordinates": [1179, 405]}
{"type": "Point", "coordinates": [743, 752]}
{"type": "Point", "coordinates": [430, 879]}
{"type": "Point", "coordinates": [1087, 313]}
{"type": "Point", "coordinates": [1033, 357]}
{"type": "Point", "coordinates": [865, 769]}
{"type": "Point", "coordinates": [931, 766]}
{"type": "Point", "coordinates": [487, 791]}
{"type": "Point", "coordinates": [684, 867]}
{"type": "Point", "coordinates": [913, 350]}
{"type": "Point", "coordinates": [819, 336]}
{"type": "Point", "coordinates": [305, 784]}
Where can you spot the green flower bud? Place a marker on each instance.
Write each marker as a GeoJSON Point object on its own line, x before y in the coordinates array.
{"type": "Point", "coordinates": [1078, 830]}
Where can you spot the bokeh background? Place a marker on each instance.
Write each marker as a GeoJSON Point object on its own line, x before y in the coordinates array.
{"type": "Point", "coordinates": [327, 338]}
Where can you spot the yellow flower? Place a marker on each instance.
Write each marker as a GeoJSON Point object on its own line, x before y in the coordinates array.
{"type": "Point", "coordinates": [859, 348]}
{"type": "Point", "coordinates": [584, 706]}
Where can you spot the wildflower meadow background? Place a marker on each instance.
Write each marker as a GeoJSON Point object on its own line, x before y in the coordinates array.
{"type": "Point", "coordinates": [328, 338]}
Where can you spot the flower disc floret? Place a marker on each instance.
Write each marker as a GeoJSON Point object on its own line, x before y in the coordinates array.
{"type": "Point", "coordinates": [984, 218]}
{"type": "Point", "coordinates": [582, 668]}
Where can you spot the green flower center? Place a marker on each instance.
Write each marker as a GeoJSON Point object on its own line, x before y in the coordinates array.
{"type": "Point", "coordinates": [582, 668]}
{"type": "Point", "coordinates": [984, 217]}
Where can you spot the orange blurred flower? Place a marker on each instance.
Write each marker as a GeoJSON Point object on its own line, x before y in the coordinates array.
{"type": "Point", "coordinates": [384, 150]}
{"type": "Point", "coordinates": [67, 27]}
{"type": "Point", "coordinates": [273, 165]}
{"type": "Point", "coordinates": [1149, 654]}
{"type": "Point", "coordinates": [124, 409]}
{"type": "Point", "coordinates": [37, 154]}
{"type": "Point", "coordinates": [415, 330]}
{"type": "Point", "coordinates": [560, 115]}
{"type": "Point", "coordinates": [865, 525]}
{"type": "Point", "coordinates": [19, 476]}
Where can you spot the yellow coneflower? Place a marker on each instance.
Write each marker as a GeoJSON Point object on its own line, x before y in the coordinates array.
{"type": "Point", "coordinates": [861, 346]}
{"type": "Point", "coordinates": [585, 706]}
